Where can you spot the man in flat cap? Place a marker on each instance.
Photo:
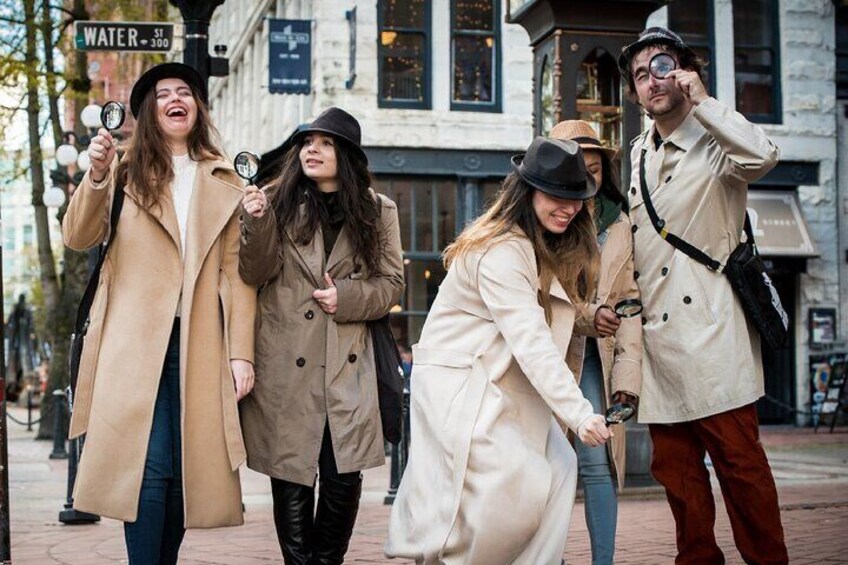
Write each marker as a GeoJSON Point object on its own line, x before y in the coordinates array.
{"type": "Point", "coordinates": [702, 366]}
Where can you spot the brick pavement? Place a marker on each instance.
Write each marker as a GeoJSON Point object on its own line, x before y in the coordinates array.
{"type": "Point", "coordinates": [811, 472]}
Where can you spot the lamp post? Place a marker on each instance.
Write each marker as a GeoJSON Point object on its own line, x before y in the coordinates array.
{"type": "Point", "coordinates": [196, 16]}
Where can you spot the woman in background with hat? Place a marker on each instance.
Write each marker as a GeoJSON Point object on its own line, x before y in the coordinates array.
{"type": "Point", "coordinates": [606, 351]}
{"type": "Point", "coordinates": [169, 349]}
{"type": "Point", "coordinates": [325, 251]}
{"type": "Point", "coordinates": [491, 477]}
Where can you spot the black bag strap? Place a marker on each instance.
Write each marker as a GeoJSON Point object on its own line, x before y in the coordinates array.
{"type": "Point", "coordinates": [81, 323]}
{"type": "Point", "coordinates": [659, 225]}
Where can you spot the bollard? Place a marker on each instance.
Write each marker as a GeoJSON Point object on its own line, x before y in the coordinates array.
{"type": "Point", "coordinates": [70, 515]}
{"type": "Point", "coordinates": [29, 407]}
{"type": "Point", "coordinates": [58, 427]}
{"type": "Point", "coordinates": [400, 452]}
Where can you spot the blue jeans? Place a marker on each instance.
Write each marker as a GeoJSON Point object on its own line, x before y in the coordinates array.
{"type": "Point", "coordinates": [594, 467]}
{"type": "Point", "coordinates": [155, 537]}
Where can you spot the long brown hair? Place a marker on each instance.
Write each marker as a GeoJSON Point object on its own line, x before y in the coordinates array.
{"type": "Point", "coordinates": [147, 164]}
{"type": "Point", "coordinates": [572, 257]}
{"type": "Point", "coordinates": [293, 189]}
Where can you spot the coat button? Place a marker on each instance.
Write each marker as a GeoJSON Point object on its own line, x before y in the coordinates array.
{"type": "Point", "coordinates": [635, 275]}
{"type": "Point", "coordinates": [300, 362]}
{"type": "Point", "coordinates": [665, 317]}
{"type": "Point", "coordinates": [632, 190]}
{"type": "Point", "coordinates": [633, 228]}
{"type": "Point", "coordinates": [664, 271]}
{"type": "Point", "coordinates": [351, 358]}
{"type": "Point", "coordinates": [668, 178]}
{"type": "Point", "coordinates": [644, 321]}
{"type": "Point", "coordinates": [309, 314]}
{"type": "Point", "coordinates": [687, 300]}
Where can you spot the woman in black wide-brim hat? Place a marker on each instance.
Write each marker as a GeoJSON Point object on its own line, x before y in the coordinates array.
{"type": "Point", "coordinates": [169, 348]}
{"type": "Point", "coordinates": [491, 476]}
{"type": "Point", "coordinates": [325, 251]}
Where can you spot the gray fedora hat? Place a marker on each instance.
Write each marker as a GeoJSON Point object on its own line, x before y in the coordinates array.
{"type": "Point", "coordinates": [651, 36]}
{"type": "Point", "coordinates": [339, 124]}
{"type": "Point", "coordinates": [556, 167]}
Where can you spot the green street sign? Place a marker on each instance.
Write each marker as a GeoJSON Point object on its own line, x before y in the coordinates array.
{"type": "Point", "coordinates": [124, 36]}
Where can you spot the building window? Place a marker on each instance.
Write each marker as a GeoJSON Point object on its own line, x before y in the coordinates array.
{"type": "Point", "coordinates": [693, 21]}
{"type": "Point", "coordinates": [757, 57]}
{"type": "Point", "coordinates": [404, 53]}
{"type": "Point", "coordinates": [475, 60]}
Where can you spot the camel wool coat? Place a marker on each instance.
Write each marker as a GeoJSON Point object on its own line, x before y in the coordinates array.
{"type": "Point", "coordinates": [142, 280]}
{"type": "Point", "coordinates": [621, 354]}
{"type": "Point", "coordinates": [491, 477]}
{"type": "Point", "coordinates": [313, 368]}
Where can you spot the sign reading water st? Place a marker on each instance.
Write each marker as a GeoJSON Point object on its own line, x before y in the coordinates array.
{"type": "Point", "coordinates": [123, 36]}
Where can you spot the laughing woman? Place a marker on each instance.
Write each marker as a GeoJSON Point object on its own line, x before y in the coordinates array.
{"type": "Point", "coordinates": [326, 253]}
{"type": "Point", "coordinates": [170, 346]}
{"type": "Point", "coordinates": [491, 477]}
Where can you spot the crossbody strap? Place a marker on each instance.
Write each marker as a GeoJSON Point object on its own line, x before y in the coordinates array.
{"type": "Point", "coordinates": [81, 324]}
{"type": "Point", "coordinates": [676, 242]}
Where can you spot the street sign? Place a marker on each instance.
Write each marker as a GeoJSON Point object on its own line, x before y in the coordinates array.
{"type": "Point", "coordinates": [123, 36]}
{"type": "Point", "coordinates": [290, 56]}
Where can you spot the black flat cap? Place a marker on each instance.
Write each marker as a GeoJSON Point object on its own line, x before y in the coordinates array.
{"type": "Point", "coordinates": [166, 70]}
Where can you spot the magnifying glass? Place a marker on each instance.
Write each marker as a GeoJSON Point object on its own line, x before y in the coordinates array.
{"type": "Point", "coordinates": [620, 412]}
{"type": "Point", "coordinates": [246, 165]}
{"type": "Point", "coordinates": [112, 115]}
{"type": "Point", "coordinates": [628, 308]}
{"type": "Point", "coordinates": [661, 64]}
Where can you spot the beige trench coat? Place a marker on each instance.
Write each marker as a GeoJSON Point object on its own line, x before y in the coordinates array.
{"type": "Point", "coordinates": [312, 367]}
{"type": "Point", "coordinates": [132, 315]}
{"type": "Point", "coordinates": [701, 355]}
{"type": "Point", "coordinates": [491, 477]}
{"type": "Point", "coordinates": [621, 354]}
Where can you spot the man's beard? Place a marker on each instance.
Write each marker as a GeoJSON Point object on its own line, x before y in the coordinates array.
{"type": "Point", "coordinates": [674, 98]}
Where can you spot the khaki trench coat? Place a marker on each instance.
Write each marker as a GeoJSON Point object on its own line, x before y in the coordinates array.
{"type": "Point", "coordinates": [484, 481]}
{"type": "Point", "coordinates": [132, 316]}
{"type": "Point", "coordinates": [701, 356]}
{"type": "Point", "coordinates": [312, 367]}
{"type": "Point", "coordinates": [621, 354]}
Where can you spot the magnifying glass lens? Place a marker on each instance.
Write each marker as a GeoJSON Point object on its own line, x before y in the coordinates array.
{"type": "Point", "coordinates": [628, 308]}
{"type": "Point", "coordinates": [247, 165]}
{"type": "Point", "coordinates": [661, 64]}
{"type": "Point", "coordinates": [618, 413]}
{"type": "Point", "coordinates": [112, 116]}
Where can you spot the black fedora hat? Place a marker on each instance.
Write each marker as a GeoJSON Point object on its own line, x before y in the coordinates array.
{"type": "Point", "coordinates": [556, 167]}
{"type": "Point", "coordinates": [651, 36]}
{"type": "Point", "coordinates": [166, 70]}
{"type": "Point", "coordinates": [339, 124]}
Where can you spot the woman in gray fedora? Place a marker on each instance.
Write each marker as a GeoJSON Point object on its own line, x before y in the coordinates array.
{"type": "Point", "coordinates": [325, 251]}
{"type": "Point", "coordinates": [491, 477]}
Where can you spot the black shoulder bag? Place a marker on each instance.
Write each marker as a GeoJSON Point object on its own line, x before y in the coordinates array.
{"type": "Point", "coordinates": [744, 269]}
{"type": "Point", "coordinates": [83, 311]}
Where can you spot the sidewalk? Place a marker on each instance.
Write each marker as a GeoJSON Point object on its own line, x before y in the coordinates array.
{"type": "Point", "coordinates": [811, 471]}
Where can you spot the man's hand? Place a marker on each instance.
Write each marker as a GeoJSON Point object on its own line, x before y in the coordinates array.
{"type": "Point", "coordinates": [690, 84]}
{"type": "Point", "coordinates": [606, 322]}
{"type": "Point", "coordinates": [620, 396]}
{"type": "Point", "coordinates": [243, 377]}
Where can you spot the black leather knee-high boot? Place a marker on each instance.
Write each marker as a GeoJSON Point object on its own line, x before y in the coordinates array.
{"type": "Point", "coordinates": [294, 505]}
{"type": "Point", "coordinates": [338, 505]}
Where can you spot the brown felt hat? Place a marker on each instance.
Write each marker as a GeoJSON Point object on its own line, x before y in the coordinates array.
{"type": "Point", "coordinates": [583, 133]}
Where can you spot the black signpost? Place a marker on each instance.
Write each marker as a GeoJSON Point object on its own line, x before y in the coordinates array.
{"type": "Point", "coordinates": [836, 395]}
{"type": "Point", "coordinates": [123, 36]}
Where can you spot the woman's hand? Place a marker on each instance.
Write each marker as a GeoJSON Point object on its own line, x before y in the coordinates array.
{"type": "Point", "coordinates": [254, 201]}
{"type": "Point", "coordinates": [606, 322]}
{"type": "Point", "coordinates": [101, 151]}
{"type": "Point", "coordinates": [594, 431]}
{"type": "Point", "coordinates": [327, 299]}
{"type": "Point", "coordinates": [243, 377]}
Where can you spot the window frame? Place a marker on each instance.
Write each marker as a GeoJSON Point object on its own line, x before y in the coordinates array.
{"type": "Point", "coordinates": [776, 115]}
{"type": "Point", "coordinates": [495, 105]}
{"type": "Point", "coordinates": [709, 44]}
{"type": "Point", "coordinates": [427, 32]}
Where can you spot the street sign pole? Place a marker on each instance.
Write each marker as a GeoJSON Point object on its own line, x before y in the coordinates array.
{"type": "Point", "coordinates": [196, 16]}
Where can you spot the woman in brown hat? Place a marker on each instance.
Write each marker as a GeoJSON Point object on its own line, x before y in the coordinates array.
{"type": "Point", "coordinates": [325, 251]}
{"type": "Point", "coordinates": [611, 347]}
{"type": "Point", "coordinates": [491, 477]}
{"type": "Point", "coordinates": [169, 348]}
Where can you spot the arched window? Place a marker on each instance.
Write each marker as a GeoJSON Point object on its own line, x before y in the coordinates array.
{"type": "Point", "coordinates": [547, 91]}
{"type": "Point", "coordinates": [599, 95]}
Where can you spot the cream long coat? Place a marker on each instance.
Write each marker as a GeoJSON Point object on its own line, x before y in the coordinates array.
{"type": "Point", "coordinates": [701, 355]}
{"type": "Point", "coordinates": [312, 367]}
{"type": "Point", "coordinates": [491, 476]}
{"type": "Point", "coordinates": [132, 316]}
{"type": "Point", "coordinates": [621, 354]}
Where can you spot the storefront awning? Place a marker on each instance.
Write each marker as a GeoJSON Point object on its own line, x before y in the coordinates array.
{"type": "Point", "coordinates": [780, 228]}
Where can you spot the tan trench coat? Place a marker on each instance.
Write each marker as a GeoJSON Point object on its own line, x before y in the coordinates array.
{"type": "Point", "coordinates": [491, 477]}
{"type": "Point", "coordinates": [131, 319]}
{"type": "Point", "coordinates": [701, 355]}
{"type": "Point", "coordinates": [621, 354]}
{"type": "Point", "coordinates": [312, 367]}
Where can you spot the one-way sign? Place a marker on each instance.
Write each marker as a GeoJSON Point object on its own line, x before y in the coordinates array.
{"type": "Point", "coordinates": [123, 36]}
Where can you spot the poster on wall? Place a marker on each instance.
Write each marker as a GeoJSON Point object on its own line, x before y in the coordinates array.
{"type": "Point", "coordinates": [822, 322]}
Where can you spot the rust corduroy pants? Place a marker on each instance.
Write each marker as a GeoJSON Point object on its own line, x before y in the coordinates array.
{"type": "Point", "coordinates": [732, 440]}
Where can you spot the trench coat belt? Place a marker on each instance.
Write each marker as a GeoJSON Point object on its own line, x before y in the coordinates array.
{"type": "Point", "coordinates": [471, 403]}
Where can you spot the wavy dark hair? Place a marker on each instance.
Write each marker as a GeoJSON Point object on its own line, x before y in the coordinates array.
{"type": "Point", "coordinates": [610, 185]}
{"type": "Point", "coordinates": [293, 189]}
{"type": "Point", "coordinates": [147, 164]}
{"type": "Point", "coordinates": [572, 257]}
{"type": "Point", "coordinates": [687, 59]}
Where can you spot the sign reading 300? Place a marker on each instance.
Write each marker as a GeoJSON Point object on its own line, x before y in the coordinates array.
{"type": "Point", "coordinates": [123, 36]}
